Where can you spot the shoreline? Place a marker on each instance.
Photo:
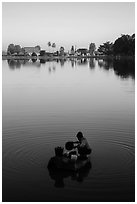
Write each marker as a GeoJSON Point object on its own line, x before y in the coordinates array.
{"type": "Point", "coordinates": [66, 57]}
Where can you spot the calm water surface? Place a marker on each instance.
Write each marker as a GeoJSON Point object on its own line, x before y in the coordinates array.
{"type": "Point", "coordinates": [44, 105]}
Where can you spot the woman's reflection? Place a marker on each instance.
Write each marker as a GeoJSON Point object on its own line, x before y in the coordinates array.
{"type": "Point", "coordinates": [58, 175]}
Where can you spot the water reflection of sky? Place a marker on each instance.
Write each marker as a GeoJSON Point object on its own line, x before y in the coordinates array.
{"type": "Point", "coordinates": [44, 105]}
{"type": "Point", "coordinates": [86, 86]}
{"type": "Point", "coordinates": [123, 68]}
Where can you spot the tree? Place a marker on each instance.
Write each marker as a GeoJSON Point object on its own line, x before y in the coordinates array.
{"type": "Point", "coordinates": [49, 44]}
{"type": "Point", "coordinates": [72, 50]}
{"type": "Point", "coordinates": [11, 49]}
{"type": "Point", "coordinates": [23, 51]}
{"type": "Point", "coordinates": [61, 50]}
{"type": "Point", "coordinates": [53, 46]}
{"type": "Point", "coordinates": [133, 44]}
{"type": "Point", "coordinates": [125, 45]}
{"type": "Point", "coordinates": [92, 48]}
{"type": "Point", "coordinates": [17, 49]}
{"type": "Point", "coordinates": [38, 47]}
{"type": "Point", "coordinates": [106, 48]}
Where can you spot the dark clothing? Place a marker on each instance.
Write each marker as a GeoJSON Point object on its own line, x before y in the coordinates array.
{"type": "Point", "coordinates": [84, 151]}
{"type": "Point", "coordinates": [84, 148]}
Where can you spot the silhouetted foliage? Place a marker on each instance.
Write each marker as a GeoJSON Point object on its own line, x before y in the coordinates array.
{"type": "Point", "coordinates": [106, 48]}
{"type": "Point", "coordinates": [53, 46]}
{"type": "Point", "coordinates": [125, 45]}
{"type": "Point", "coordinates": [72, 48]}
{"type": "Point", "coordinates": [11, 49]}
{"type": "Point", "coordinates": [22, 52]}
{"type": "Point", "coordinates": [39, 48]}
{"type": "Point", "coordinates": [92, 48]}
{"type": "Point", "coordinates": [72, 51]}
{"type": "Point", "coordinates": [49, 45]}
{"type": "Point", "coordinates": [17, 49]}
{"type": "Point", "coordinates": [61, 51]}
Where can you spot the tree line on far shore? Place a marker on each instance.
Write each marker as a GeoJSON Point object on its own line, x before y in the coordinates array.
{"type": "Point", "coordinates": [123, 46]}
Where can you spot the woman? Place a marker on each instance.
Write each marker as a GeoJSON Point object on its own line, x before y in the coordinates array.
{"type": "Point", "coordinates": [83, 148]}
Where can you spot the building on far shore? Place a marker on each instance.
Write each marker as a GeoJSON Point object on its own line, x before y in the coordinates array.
{"type": "Point", "coordinates": [31, 50]}
{"type": "Point", "coordinates": [82, 51]}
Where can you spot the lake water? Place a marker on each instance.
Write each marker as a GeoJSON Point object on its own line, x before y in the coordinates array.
{"type": "Point", "coordinates": [44, 105]}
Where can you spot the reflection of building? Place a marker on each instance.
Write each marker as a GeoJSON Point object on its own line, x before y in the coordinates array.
{"type": "Point", "coordinates": [30, 50]}
{"type": "Point", "coordinates": [82, 61]}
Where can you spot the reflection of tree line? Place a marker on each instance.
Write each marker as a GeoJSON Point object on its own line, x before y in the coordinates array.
{"type": "Point", "coordinates": [13, 64]}
{"type": "Point", "coordinates": [122, 67]}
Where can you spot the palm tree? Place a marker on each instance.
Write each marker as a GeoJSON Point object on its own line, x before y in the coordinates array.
{"type": "Point", "coordinates": [49, 44]}
{"type": "Point", "coordinates": [53, 46]}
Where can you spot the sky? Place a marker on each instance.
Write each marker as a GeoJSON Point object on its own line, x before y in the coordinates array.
{"type": "Point", "coordinates": [66, 24]}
